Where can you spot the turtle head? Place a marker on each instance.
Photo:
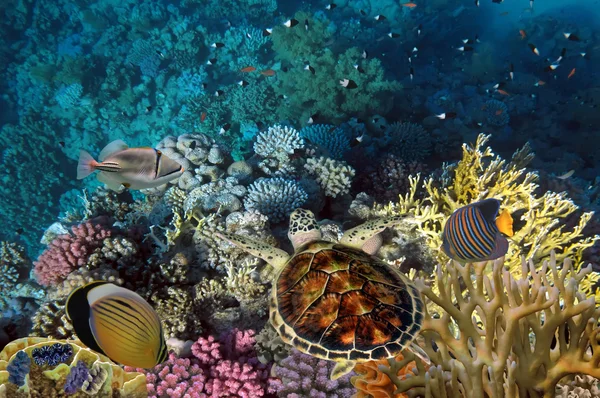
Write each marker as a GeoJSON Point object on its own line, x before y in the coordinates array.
{"type": "Point", "coordinates": [303, 228]}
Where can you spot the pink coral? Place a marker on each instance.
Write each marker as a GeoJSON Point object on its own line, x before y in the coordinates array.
{"type": "Point", "coordinates": [68, 252]}
{"type": "Point", "coordinates": [227, 367]}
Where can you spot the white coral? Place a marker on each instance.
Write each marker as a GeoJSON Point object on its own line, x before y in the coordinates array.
{"type": "Point", "coordinates": [334, 176]}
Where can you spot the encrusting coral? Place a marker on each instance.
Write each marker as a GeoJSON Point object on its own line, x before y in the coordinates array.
{"type": "Point", "coordinates": [532, 334]}
{"type": "Point", "coordinates": [50, 366]}
{"type": "Point", "coordinates": [480, 175]}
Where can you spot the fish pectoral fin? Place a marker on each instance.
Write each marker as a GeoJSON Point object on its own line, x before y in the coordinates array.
{"type": "Point", "coordinates": [112, 184]}
{"type": "Point", "coordinates": [112, 147]}
{"type": "Point", "coordinates": [341, 369]}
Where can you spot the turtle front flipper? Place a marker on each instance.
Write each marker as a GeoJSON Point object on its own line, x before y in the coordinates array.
{"type": "Point", "coordinates": [272, 255]}
{"type": "Point", "coordinates": [366, 237]}
{"type": "Point", "coordinates": [342, 368]}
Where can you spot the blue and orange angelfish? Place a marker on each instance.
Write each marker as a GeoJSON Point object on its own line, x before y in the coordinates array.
{"type": "Point", "coordinates": [477, 232]}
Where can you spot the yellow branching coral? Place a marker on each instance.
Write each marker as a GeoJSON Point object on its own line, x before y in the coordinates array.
{"type": "Point", "coordinates": [480, 175]}
{"type": "Point", "coordinates": [533, 333]}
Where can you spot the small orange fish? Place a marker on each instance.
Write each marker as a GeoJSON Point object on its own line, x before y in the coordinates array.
{"type": "Point", "coordinates": [503, 92]}
{"type": "Point", "coordinates": [523, 34]}
{"type": "Point", "coordinates": [571, 74]}
{"type": "Point", "coordinates": [248, 69]}
{"type": "Point", "coordinates": [267, 72]}
{"type": "Point", "coordinates": [203, 116]}
{"type": "Point", "coordinates": [499, 112]}
{"type": "Point", "coordinates": [539, 83]}
{"type": "Point", "coordinates": [409, 5]}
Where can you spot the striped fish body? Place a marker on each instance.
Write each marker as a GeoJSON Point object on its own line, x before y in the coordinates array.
{"type": "Point", "coordinates": [471, 235]}
{"type": "Point", "coordinates": [118, 323]}
{"type": "Point", "coordinates": [133, 168]}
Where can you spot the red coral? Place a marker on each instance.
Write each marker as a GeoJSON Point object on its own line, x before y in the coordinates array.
{"type": "Point", "coordinates": [68, 252]}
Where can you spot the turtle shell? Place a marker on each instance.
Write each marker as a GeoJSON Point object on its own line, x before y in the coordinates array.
{"type": "Point", "coordinates": [338, 303]}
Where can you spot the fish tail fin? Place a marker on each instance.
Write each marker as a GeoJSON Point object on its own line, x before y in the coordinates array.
{"type": "Point", "coordinates": [86, 164]}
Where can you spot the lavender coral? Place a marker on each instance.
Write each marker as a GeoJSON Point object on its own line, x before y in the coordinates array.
{"type": "Point", "coordinates": [302, 375]}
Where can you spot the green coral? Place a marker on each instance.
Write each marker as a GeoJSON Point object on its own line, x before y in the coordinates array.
{"type": "Point", "coordinates": [293, 44]}
{"type": "Point", "coordinates": [321, 93]}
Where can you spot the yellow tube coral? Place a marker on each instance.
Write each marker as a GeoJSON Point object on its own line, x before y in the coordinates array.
{"type": "Point", "coordinates": [532, 332]}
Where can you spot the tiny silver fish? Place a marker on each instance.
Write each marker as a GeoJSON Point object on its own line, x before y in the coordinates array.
{"type": "Point", "coordinates": [132, 168]}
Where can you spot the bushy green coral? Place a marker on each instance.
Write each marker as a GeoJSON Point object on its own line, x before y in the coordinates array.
{"type": "Point", "coordinates": [321, 93]}
{"type": "Point", "coordinates": [481, 175]}
{"type": "Point", "coordinates": [297, 43]}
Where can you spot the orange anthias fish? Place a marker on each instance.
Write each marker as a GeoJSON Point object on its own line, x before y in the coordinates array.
{"type": "Point", "coordinates": [133, 168]}
{"type": "Point", "coordinates": [571, 73]}
{"type": "Point", "coordinates": [409, 5]}
{"type": "Point", "coordinates": [523, 34]}
{"type": "Point", "coordinates": [499, 112]}
{"type": "Point", "coordinates": [203, 116]}
{"type": "Point", "coordinates": [267, 72]}
{"type": "Point", "coordinates": [248, 69]}
{"type": "Point", "coordinates": [503, 92]}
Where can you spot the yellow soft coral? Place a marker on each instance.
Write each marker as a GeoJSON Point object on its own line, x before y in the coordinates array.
{"type": "Point", "coordinates": [480, 175]}
{"type": "Point", "coordinates": [532, 332]}
{"type": "Point", "coordinates": [42, 382]}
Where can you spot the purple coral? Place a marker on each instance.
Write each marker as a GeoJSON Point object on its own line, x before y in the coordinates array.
{"type": "Point", "coordinates": [68, 252]}
{"type": "Point", "coordinates": [302, 375]}
{"type": "Point", "coordinates": [78, 375]}
{"type": "Point", "coordinates": [220, 368]}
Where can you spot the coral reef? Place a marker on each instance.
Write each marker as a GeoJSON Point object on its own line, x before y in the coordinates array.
{"type": "Point", "coordinates": [502, 335]}
{"type": "Point", "coordinates": [480, 175]}
{"type": "Point", "coordinates": [303, 375]}
{"type": "Point", "coordinates": [334, 176]}
{"type": "Point", "coordinates": [51, 364]}
{"type": "Point", "coordinates": [227, 366]}
{"type": "Point", "coordinates": [275, 197]}
{"type": "Point", "coordinates": [70, 251]}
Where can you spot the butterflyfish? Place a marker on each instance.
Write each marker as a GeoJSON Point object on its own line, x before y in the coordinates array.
{"type": "Point", "coordinates": [118, 323]}
{"type": "Point", "coordinates": [476, 233]}
{"type": "Point", "coordinates": [133, 168]}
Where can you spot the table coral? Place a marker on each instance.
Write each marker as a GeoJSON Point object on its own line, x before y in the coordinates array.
{"type": "Point", "coordinates": [501, 335]}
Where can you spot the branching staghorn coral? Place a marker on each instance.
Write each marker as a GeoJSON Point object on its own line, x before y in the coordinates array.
{"type": "Point", "coordinates": [533, 333]}
{"type": "Point", "coordinates": [479, 175]}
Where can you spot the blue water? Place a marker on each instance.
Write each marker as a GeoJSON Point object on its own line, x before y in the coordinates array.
{"type": "Point", "coordinates": [78, 75]}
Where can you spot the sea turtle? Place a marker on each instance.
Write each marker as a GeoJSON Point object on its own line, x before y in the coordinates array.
{"type": "Point", "coordinates": [337, 301]}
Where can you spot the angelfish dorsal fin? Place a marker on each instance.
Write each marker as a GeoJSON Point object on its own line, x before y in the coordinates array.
{"type": "Point", "coordinates": [113, 147]}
